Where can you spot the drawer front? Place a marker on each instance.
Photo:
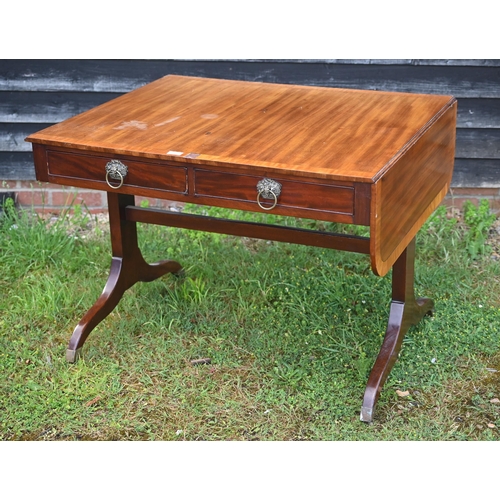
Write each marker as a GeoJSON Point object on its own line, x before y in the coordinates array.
{"type": "Point", "coordinates": [141, 174]}
{"type": "Point", "coordinates": [307, 197]}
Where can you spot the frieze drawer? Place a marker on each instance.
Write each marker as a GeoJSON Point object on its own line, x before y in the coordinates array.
{"type": "Point", "coordinates": [275, 194]}
{"type": "Point", "coordinates": [117, 173]}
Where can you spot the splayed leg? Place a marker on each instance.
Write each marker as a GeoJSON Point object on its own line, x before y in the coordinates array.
{"type": "Point", "coordinates": [405, 311]}
{"type": "Point", "coordinates": [127, 268]}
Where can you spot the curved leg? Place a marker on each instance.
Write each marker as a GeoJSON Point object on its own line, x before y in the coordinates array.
{"type": "Point", "coordinates": [405, 311]}
{"type": "Point", "coordinates": [127, 268]}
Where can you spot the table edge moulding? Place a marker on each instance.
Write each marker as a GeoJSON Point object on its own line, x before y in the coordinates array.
{"type": "Point", "coordinates": [383, 160]}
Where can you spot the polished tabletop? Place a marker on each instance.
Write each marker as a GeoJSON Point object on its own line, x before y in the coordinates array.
{"type": "Point", "coordinates": [334, 133]}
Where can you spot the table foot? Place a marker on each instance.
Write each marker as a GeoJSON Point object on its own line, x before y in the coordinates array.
{"type": "Point", "coordinates": [72, 355]}
{"type": "Point", "coordinates": [405, 311]}
{"type": "Point", "coordinates": [127, 268]}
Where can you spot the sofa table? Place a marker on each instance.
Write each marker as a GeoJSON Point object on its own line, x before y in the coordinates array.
{"type": "Point", "coordinates": [383, 160]}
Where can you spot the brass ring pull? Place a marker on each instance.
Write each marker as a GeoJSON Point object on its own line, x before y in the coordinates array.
{"type": "Point", "coordinates": [262, 206]}
{"type": "Point", "coordinates": [111, 185]}
{"type": "Point", "coordinates": [268, 189]}
{"type": "Point", "coordinates": [116, 170]}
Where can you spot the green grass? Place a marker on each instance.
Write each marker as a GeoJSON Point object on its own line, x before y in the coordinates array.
{"type": "Point", "coordinates": [292, 333]}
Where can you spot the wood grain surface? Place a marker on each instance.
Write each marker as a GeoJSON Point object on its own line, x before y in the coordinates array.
{"type": "Point", "coordinates": [408, 193]}
{"type": "Point", "coordinates": [339, 134]}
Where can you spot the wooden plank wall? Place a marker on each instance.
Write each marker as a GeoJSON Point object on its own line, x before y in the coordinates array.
{"type": "Point", "coordinates": [37, 93]}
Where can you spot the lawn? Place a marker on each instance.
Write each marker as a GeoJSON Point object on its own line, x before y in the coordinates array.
{"type": "Point", "coordinates": [291, 333]}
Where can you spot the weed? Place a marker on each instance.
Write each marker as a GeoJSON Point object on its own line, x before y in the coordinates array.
{"type": "Point", "coordinates": [479, 220]}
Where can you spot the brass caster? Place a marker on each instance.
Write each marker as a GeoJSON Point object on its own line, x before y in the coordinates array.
{"type": "Point", "coordinates": [73, 355]}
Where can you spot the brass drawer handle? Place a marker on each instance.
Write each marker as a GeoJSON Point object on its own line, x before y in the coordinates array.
{"type": "Point", "coordinates": [116, 170]}
{"type": "Point", "coordinates": [268, 189]}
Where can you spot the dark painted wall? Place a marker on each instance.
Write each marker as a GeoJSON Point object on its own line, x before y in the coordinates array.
{"type": "Point", "coordinates": [38, 93]}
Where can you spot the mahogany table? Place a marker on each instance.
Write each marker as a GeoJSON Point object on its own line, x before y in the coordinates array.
{"type": "Point", "coordinates": [370, 158]}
